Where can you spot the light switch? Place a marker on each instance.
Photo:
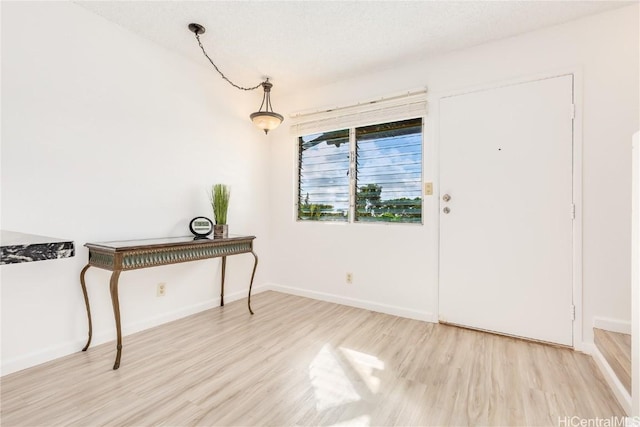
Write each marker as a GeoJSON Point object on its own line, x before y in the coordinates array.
{"type": "Point", "coordinates": [428, 188]}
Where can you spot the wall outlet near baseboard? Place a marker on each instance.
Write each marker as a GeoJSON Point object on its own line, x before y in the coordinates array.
{"type": "Point", "coordinates": [161, 290]}
{"type": "Point", "coordinates": [349, 278]}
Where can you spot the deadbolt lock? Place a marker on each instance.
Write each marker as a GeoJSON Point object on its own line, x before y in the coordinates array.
{"type": "Point", "coordinates": [446, 197]}
{"type": "Point", "coordinates": [446, 210]}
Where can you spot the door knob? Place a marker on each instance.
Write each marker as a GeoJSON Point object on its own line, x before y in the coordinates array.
{"type": "Point", "coordinates": [446, 197]}
{"type": "Point", "coordinates": [446, 210]}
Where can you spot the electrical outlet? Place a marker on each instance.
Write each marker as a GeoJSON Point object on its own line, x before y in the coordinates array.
{"type": "Point", "coordinates": [162, 290]}
{"type": "Point", "coordinates": [349, 278]}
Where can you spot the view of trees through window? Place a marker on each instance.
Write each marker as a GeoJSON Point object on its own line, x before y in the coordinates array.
{"type": "Point", "coordinates": [323, 191]}
{"type": "Point", "coordinates": [387, 181]}
{"type": "Point", "coordinates": [389, 172]}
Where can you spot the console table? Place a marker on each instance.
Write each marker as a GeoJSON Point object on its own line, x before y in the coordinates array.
{"type": "Point", "coordinates": [127, 255]}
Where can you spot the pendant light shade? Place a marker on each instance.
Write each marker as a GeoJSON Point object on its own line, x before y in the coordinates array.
{"type": "Point", "coordinates": [266, 119]}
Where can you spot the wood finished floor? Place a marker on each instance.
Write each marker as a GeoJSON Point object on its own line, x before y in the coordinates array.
{"type": "Point", "coordinates": [616, 349]}
{"type": "Point", "coordinates": [304, 362]}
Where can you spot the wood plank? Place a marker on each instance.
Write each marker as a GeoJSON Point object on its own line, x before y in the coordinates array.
{"type": "Point", "coordinates": [299, 361]}
{"type": "Point", "coordinates": [616, 349]}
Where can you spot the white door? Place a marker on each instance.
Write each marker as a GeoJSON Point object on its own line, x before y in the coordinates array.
{"type": "Point", "coordinates": [506, 241]}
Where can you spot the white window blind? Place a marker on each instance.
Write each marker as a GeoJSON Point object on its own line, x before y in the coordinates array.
{"type": "Point", "coordinates": [394, 108]}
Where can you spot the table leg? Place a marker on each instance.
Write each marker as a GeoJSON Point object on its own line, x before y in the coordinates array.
{"type": "Point", "coordinates": [86, 303]}
{"type": "Point", "coordinates": [253, 273]}
{"type": "Point", "coordinates": [224, 266]}
{"type": "Point", "coordinates": [116, 314]}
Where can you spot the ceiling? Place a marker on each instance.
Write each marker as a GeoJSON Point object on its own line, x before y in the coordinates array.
{"type": "Point", "coordinates": [303, 43]}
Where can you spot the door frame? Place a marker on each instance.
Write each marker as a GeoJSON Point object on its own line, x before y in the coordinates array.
{"type": "Point", "coordinates": [433, 134]}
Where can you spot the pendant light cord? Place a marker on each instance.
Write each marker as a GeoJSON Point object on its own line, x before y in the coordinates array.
{"type": "Point", "coordinates": [221, 73]}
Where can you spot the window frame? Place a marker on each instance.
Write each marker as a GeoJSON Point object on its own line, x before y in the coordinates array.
{"type": "Point", "coordinates": [351, 216]}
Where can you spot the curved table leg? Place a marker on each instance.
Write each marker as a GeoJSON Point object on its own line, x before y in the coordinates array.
{"type": "Point", "coordinates": [224, 266]}
{"type": "Point", "coordinates": [253, 273]}
{"type": "Point", "coordinates": [116, 312]}
{"type": "Point", "coordinates": [86, 303]}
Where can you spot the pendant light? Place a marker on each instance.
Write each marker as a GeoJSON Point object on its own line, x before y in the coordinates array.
{"type": "Point", "coordinates": [265, 119]}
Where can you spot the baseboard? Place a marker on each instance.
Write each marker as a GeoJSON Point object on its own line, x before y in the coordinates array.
{"type": "Point", "coordinates": [42, 356]}
{"type": "Point", "coordinates": [612, 325]}
{"type": "Point", "coordinates": [582, 347]}
{"type": "Point", "coordinates": [178, 314]}
{"type": "Point", "coordinates": [151, 322]}
{"type": "Point", "coordinates": [621, 393]}
{"type": "Point", "coordinates": [354, 302]}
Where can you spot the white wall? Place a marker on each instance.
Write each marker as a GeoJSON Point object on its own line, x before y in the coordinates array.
{"type": "Point", "coordinates": [106, 136]}
{"type": "Point", "coordinates": [99, 131]}
{"type": "Point", "coordinates": [395, 267]}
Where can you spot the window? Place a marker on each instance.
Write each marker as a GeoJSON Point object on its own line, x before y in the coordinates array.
{"type": "Point", "coordinates": [389, 172]}
{"type": "Point", "coordinates": [364, 174]}
{"type": "Point", "coordinates": [323, 181]}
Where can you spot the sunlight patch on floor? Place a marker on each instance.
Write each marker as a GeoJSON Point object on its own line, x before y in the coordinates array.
{"type": "Point", "coordinates": [331, 385]}
{"type": "Point", "coordinates": [366, 365]}
{"type": "Point", "coordinates": [362, 420]}
{"type": "Point", "coordinates": [344, 376]}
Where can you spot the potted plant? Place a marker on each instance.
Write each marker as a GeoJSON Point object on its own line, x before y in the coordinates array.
{"type": "Point", "coordinates": [219, 198]}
